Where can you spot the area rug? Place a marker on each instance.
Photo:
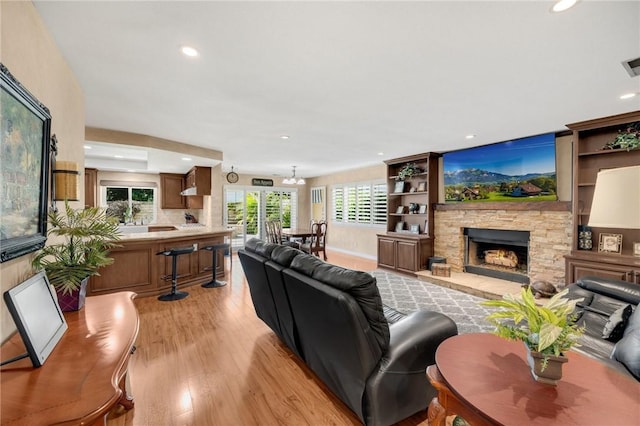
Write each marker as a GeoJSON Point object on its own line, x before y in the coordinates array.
{"type": "Point", "coordinates": [409, 294]}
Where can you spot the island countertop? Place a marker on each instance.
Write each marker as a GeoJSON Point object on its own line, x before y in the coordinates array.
{"type": "Point", "coordinates": [139, 266]}
{"type": "Point", "coordinates": [178, 233]}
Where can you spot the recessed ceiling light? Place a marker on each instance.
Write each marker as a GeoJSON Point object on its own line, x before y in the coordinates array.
{"type": "Point", "coordinates": [189, 51]}
{"type": "Point", "coordinates": [628, 95]}
{"type": "Point", "coordinates": [563, 5]}
{"type": "Point", "coordinates": [186, 159]}
{"type": "Point", "coordinates": [88, 147]}
{"type": "Point", "coordinates": [470, 136]}
{"type": "Point", "coordinates": [284, 137]}
{"type": "Point", "coordinates": [118, 156]}
{"type": "Point", "coordinates": [381, 153]}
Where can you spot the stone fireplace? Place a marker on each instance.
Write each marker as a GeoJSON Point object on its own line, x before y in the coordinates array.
{"type": "Point", "coordinates": [549, 228]}
{"type": "Point", "coordinates": [497, 253]}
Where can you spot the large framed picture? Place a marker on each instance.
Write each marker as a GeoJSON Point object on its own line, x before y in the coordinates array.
{"type": "Point", "coordinates": [24, 175]}
{"type": "Point", "coordinates": [610, 243]}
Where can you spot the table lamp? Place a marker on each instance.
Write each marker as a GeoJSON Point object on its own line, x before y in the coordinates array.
{"type": "Point", "coordinates": [616, 199]}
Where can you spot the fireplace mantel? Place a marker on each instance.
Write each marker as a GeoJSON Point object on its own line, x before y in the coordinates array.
{"type": "Point", "coordinates": [554, 206]}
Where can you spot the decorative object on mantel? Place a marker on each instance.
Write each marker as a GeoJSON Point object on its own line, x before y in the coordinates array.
{"type": "Point", "coordinates": [547, 331]}
{"type": "Point", "coordinates": [409, 170]}
{"type": "Point", "coordinates": [87, 234]}
{"type": "Point", "coordinates": [628, 138]}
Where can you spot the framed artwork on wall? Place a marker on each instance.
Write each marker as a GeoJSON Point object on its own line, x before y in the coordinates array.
{"type": "Point", "coordinates": [24, 176]}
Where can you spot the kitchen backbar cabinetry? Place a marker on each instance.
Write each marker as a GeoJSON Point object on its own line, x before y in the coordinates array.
{"type": "Point", "coordinates": [589, 157]}
{"type": "Point", "coordinates": [412, 191]}
{"type": "Point", "coordinates": [198, 179]}
{"type": "Point", "coordinates": [171, 185]}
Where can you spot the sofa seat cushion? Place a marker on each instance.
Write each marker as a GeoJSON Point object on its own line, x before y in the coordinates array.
{"type": "Point", "coordinates": [392, 315]}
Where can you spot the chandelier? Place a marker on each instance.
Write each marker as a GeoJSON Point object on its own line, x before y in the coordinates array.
{"type": "Point", "coordinates": [292, 180]}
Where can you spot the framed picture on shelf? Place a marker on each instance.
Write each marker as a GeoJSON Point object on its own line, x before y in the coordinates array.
{"type": "Point", "coordinates": [422, 186]}
{"type": "Point", "coordinates": [414, 228]}
{"type": "Point", "coordinates": [400, 210]}
{"type": "Point", "coordinates": [399, 187]}
{"type": "Point", "coordinates": [400, 226]}
{"type": "Point", "coordinates": [422, 209]}
{"type": "Point", "coordinates": [425, 230]}
{"type": "Point", "coordinates": [610, 243]}
{"type": "Point", "coordinates": [636, 249]}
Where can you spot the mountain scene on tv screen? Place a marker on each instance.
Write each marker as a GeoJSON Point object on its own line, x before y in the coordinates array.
{"type": "Point", "coordinates": [519, 170]}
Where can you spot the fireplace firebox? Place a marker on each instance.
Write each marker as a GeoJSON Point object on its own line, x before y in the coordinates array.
{"type": "Point", "coordinates": [497, 253]}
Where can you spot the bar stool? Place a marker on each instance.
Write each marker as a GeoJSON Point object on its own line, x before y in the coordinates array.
{"type": "Point", "coordinates": [174, 253]}
{"type": "Point", "coordinates": [213, 248]}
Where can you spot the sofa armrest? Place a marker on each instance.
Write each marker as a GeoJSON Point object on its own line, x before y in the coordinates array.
{"type": "Point", "coordinates": [399, 387]}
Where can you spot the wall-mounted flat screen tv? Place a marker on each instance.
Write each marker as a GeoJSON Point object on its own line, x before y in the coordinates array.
{"type": "Point", "coordinates": [40, 322]}
{"type": "Point", "coordinates": [517, 170]}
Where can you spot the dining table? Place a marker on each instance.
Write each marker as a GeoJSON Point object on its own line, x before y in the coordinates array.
{"type": "Point", "coordinates": [297, 233]}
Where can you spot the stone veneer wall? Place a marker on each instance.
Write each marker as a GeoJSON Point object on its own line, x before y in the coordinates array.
{"type": "Point", "coordinates": [551, 234]}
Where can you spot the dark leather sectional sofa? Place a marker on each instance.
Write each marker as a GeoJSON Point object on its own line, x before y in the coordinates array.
{"type": "Point", "coordinates": [372, 357]}
{"type": "Point", "coordinates": [607, 304]}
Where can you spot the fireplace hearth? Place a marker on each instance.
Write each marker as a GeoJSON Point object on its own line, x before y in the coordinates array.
{"type": "Point", "coordinates": [497, 253]}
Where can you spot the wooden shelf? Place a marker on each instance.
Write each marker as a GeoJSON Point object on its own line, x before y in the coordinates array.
{"type": "Point", "coordinates": [589, 158]}
{"type": "Point", "coordinates": [605, 152]}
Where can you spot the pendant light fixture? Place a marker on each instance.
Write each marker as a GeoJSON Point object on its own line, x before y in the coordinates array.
{"type": "Point", "coordinates": [292, 180]}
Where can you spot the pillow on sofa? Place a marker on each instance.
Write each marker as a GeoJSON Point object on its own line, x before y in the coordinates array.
{"type": "Point", "coordinates": [614, 328]}
{"type": "Point", "coordinates": [627, 351]}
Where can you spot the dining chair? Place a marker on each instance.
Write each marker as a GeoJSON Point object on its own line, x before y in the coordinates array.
{"type": "Point", "coordinates": [276, 231]}
{"type": "Point", "coordinates": [317, 243]}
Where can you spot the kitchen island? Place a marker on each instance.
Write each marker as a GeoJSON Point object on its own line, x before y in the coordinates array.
{"type": "Point", "coordinates": [136, 266]}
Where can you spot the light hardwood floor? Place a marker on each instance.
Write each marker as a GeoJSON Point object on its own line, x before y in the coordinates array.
{"type": "Point", "coordinates": [209, 360]}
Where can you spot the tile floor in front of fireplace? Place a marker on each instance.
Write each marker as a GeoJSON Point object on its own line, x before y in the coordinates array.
{"type": "Point", "coordinates": [477, 285]}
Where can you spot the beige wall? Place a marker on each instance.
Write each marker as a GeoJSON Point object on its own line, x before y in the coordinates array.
{"type": "Point", "coordinates": [355, 239]}
{"type": "Point", "coordinates": [29, 52]}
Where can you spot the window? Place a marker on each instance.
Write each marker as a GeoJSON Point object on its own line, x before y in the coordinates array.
{"type": "Point", "coordinates": [362, 203]}
{"type": "Point", "coordinates": [129, 203]}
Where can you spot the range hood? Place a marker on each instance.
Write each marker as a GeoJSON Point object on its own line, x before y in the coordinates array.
{"type": "Point", "coordinates": [190, 191]}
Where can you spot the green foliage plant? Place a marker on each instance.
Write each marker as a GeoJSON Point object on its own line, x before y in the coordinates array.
{"type": "Point", "coordinates": [82, 247]}
{"type": "Point", "coordinates": [409, 169]}
{"type": "Point", "coordinates": [549, 329]}
{"type": "Point", "coordinates": [628, 138]}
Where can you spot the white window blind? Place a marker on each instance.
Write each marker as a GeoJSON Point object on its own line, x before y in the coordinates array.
{"type": "Point", "coordinates": [360, 203]}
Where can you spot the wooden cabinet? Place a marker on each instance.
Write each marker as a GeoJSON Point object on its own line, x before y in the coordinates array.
{"type": "Point", "coordinates": [171, 186]}
{"type": "Point", "coordinates": [589, 157]}
{"type": "Point", "coordinates": [581, 264]}
{"type": "Point", "coordinates": [200, 178]}
{"type": "Point", "coordinates": [90, 187]}
{"type": "Point", "coordinates": [408, 242]}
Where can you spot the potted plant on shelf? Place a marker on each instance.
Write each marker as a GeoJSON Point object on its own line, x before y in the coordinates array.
{"type": "Point", "coordinates": [407, 171]}
{"type": "Point", "coordinates": [548, 331]}
{"type": "Point", "coordinates": [85, 237]}
{"type": "Point", "coordinates": [627, 138]}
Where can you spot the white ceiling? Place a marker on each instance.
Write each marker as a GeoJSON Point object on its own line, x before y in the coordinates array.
{"type": "Point", "coordinates": [345, 80]}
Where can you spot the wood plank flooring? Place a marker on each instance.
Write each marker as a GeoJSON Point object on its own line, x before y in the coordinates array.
{"type": "Point", "coordinates": [209, 360]}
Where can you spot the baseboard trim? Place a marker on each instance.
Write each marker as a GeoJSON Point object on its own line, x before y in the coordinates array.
{"type": "Point", "coordinates": [352, 253]}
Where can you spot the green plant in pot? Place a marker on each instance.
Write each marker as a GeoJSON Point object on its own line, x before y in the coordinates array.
{"type": "Point", "coordinates": [83, 238]}
{"type": "Point", "coordinates": [407, 171]}
{"type": "Point", "coordinates": [548, 331]}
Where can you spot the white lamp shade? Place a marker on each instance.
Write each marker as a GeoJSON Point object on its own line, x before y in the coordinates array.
{"type": "Point", "coordinates": [616, 199]}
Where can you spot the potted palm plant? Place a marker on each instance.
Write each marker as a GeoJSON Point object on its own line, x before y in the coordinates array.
{"type": "Point", "coordinates": [81, 247]}
{"type": "Point", "coordinates": [548, 331]}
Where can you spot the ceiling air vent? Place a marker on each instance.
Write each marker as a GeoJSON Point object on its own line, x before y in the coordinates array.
{"type": "Point", "coordinates": [632, 66]}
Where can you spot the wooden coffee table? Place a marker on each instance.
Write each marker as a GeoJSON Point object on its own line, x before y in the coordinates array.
{"type": "Point", "coordinates": [486, 380]}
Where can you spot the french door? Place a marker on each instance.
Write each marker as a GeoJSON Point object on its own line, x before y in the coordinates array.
{"type": "Point", "coordinates": [248, 208]}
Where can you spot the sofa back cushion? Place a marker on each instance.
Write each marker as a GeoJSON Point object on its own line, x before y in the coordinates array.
{"type": "Point", "coordinates": [359, 285]}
